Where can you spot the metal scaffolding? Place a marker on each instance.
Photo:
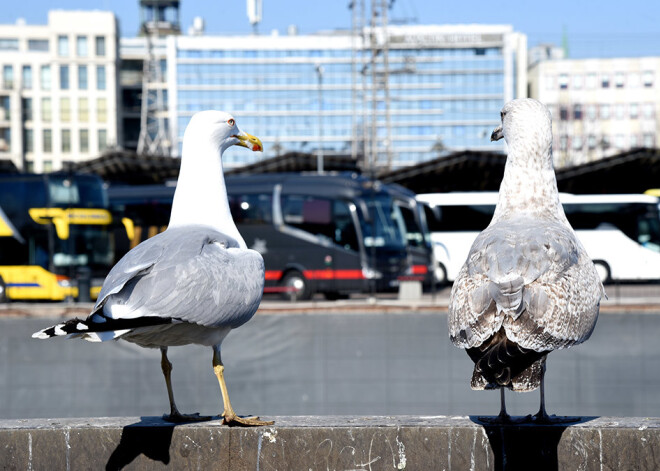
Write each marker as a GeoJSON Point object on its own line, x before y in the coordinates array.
{"type": "Point", "coordinates": [159, 18]}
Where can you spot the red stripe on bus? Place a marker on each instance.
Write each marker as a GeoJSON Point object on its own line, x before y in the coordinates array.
{"type": "Point", "coordinates": [330, 274]}
{"type": "Point", "coordinates": [273, 274]}
{"type": "Point", "coordinates": [419, 269]}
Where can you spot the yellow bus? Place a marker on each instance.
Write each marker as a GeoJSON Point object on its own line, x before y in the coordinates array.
{"type": "Point", "coordinates": [55, 234]}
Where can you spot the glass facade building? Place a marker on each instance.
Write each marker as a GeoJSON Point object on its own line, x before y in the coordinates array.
{"type": "Point", "coordinates": [443, 89]}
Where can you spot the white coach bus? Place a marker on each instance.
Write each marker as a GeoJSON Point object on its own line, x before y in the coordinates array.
{"type": "Point", "coordinates": [621, 233]}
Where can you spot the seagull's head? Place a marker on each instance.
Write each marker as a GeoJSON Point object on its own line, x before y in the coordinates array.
{"type": "Point", "coordinates": [222, 129]}
{"type": "Point", "coordinates": [524, 119]}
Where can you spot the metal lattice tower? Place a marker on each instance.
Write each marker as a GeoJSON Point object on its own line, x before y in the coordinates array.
{"type": "Point", "coordinates": [371, 92]}
{"type": "Point", "coordinates": [159, 18]}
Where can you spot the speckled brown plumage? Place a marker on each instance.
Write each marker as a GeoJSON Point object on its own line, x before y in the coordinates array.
{"type": "Point", "coordinates": [528, 286]}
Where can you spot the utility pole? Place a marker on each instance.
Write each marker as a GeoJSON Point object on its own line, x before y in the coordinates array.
{"type": "Point", "coordinates": [319, 156]}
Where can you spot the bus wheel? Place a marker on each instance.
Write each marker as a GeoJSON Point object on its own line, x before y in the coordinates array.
{"type": "Point", "coordinates": [297, 286]}
{"type": "Point", "coordinates": [603, 270]}
{"type": "Point", "coordinates": [440, 275]}
{"type": "Point", "coordinates": [3, 291]}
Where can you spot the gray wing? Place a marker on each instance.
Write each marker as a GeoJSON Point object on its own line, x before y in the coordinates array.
{"type": "Point", "coordinates": [531, 277]}
{"type": "Point", "coordinates": [191, 274]}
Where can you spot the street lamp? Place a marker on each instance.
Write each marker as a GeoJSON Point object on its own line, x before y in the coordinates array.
{"type": "Point", "coordinates": [319, 155]}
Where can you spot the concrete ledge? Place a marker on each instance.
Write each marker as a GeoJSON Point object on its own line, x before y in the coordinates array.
{"type": "Point", "coordinates": [331, 443]}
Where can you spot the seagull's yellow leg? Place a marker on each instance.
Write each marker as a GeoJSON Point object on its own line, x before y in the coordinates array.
{"type": "Point", "coordinates": [175, 415]}
{"type": "Point", "coordinates": [230, 417]}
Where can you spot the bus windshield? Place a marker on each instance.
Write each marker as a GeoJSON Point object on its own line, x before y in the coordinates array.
{"type": "Point", "coordinates": [385, 226]}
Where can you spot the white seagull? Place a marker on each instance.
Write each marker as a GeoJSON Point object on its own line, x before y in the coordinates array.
{"type": "Point", "coordinates": [194, 282]}
{"type": "Point", "coordinates": [528, 286]}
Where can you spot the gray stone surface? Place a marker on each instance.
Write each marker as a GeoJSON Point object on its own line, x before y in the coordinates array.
{"type": "Point", "coordinates": [329, 443]}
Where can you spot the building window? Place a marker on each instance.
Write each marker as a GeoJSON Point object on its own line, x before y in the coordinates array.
{"type": "Point", "coordinates": [84, 140]}
{"type": "Point", "coordinates": [47, 166]}
{"type": "Point", "coordinates": [577, 81]}
{"type": "Point", "coordinates": [592, 113]}
{"type": "Point", "coordinates": [46, 110]}
{"type": "Point", "coordinates": [103, 139]}
{"type": "Point", "coordinates": [65, 110]}
{"type": "Point", "coordinates": [100, 77]}
{"type": "Point", "coordinates": [649, 140]}
{"type": "Point", "coordinates": [64, 77]}
{"type": "Point", "coordinates": [45, 77]}
{"type": "Point", "coordinates": [591, 80]}
{"type": "Point", "coordinates": [592, 142]}
{"type": "Point", "coordinates": [577, 142]}
{"type": "Point", "coordinates": [83, 110]}
{"type": "Point", "coordinates": [618, 80]}
{"type": "Point", "coordinates": [563, 113]}
{"type": "Point", "coordinates": [101, 110]}
{"type": "Point", "coordinates": [577, 112]}
{"type": "Point", "coordinates": [38, 45]}
{"type": "Point", "coordinates": [8, 77]}
{"type": "Point", "coordinates": [82, 77]}
{"type": "Point", "coordinates": [563, 142]}
{"type": "Point", "coordinates": [26, 104]}
{"type": "Point", "coordinates": [99, 42]}
{"type": "Point", "coordinates": [604, 111]}
{"type": "Point", "coordinates": [605, 81]}
{"type": "Point", "coordinates": [8, 44]}
{"type": "Point", "coordinates": [563, 81]}
{"type": "Point", "coordinates": [619, 111]}
{"type": "Point", "coordinates": [647, 78]}
{"type": "Point", "coordinates": [48, 140]}
{"type": "Point", "coordinates": [63, 46]}
{"type": "Point", "coordinates": [634, 110]}
{"type": "Point", "coordinates": [66, 140]}
{"type": "Point", "coordinates": [605, 142]}
{"type": "Point", "coordinates": [647, 110]}
{"type": "Point", "coordinates": [28, 136]}
{"type": "Point", "coordinates": [27, 77]}
{"type": "Point", "coordinates": [633, 141]}
{"type": "Point", "coordinates": [81, 46]}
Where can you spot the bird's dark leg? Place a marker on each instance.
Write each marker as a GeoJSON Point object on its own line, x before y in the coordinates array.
{"type": "Point", "coordinates": [542, 417]}
{"type": "Point", "coordinates": [503, 417]}
{"type": "Point", "coordinates": [175, 415]}
{"type": "Point", "coordinates": [230, 417]}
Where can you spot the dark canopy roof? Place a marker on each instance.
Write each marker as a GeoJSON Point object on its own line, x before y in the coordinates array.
{"type": "Point", "coordinates": [630, 172]}
{"type": "Point", "coordinates": [130, 168]}
{"type": "Point", "coordinates": [459, 171]}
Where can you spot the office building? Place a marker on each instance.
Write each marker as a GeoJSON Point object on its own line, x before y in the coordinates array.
{"type": "Point", "coordinates": [442, 90]}
{"type": "Point", "coordinates": [600, 107]}
{"type": "Point", "coordinates": [58, 89]}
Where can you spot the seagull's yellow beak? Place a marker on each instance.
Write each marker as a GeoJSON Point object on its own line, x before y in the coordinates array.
{"type": "Point", "coordinates": [248, 140]}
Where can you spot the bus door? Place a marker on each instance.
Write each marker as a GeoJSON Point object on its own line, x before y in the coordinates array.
{"type": "Point", "coordinates": [324, 243]}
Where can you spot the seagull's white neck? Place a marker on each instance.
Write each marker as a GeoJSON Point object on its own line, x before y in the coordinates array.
{"type": "Point", "coordinates": [200, 197]}
{"type": "Point", "coordinates": [529, 185]}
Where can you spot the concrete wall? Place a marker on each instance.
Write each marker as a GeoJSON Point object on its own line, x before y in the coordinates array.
{"type": "Point", "coordinates": [329, 443]}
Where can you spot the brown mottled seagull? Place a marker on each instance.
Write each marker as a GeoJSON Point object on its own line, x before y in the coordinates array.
{"type": "Point", "coordinates": [528, 286]}
{"type": "Point", "coordinates": [193, 283]}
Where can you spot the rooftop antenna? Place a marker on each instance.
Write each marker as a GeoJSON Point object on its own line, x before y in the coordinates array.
{"type": "Point", "coordinates": [158, 18]}
{"type": "Point", "coordinates": [254, 13]}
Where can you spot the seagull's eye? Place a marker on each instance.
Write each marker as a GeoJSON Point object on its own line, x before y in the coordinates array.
{"type": "Point", "coordinates": [501, 114]}
{"type": "Point", "coordinates": [231, 122]}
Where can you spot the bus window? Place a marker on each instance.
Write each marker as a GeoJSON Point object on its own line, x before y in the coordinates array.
{"type": "Point", "coordinates": [413, 232]}
{"type": "Point", "coordinates": [345, 234]}
{"type": "Point", "coordinates": [322, 217]}
{"type": "Point", "coordinates": [474, 217]}
{"type": "Point", "coordinates": [384, 227]}
{"type": "Point", "coordinates": [313, 215]}
{"type": "Point", "coordinates": [251, 209]}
